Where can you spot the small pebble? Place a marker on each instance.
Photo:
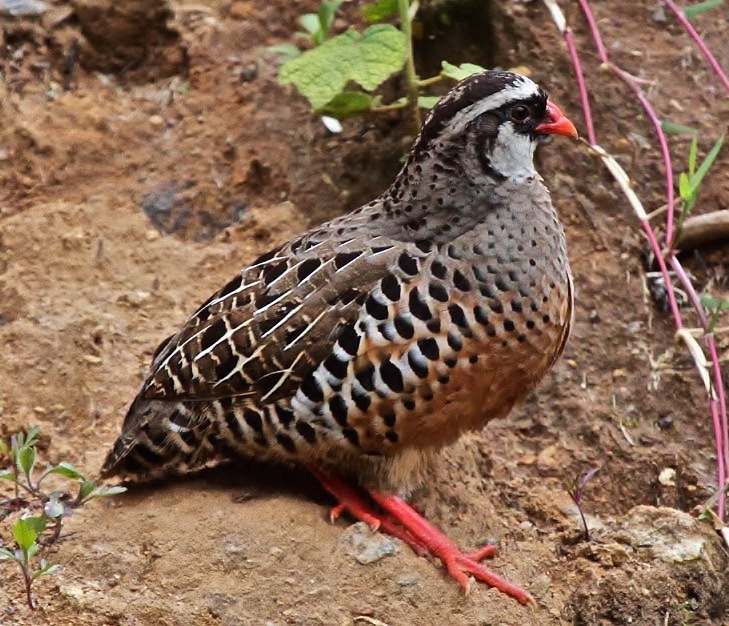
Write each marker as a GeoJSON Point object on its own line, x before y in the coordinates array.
{"type": "Point", "coordinates": [367, 546]}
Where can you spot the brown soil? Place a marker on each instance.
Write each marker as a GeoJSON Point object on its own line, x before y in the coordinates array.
{"type": "Point", "coordinates": [127, 197]}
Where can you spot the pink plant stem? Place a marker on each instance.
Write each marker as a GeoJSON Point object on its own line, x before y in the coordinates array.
{"type": "Point", "coordinates": [685, 281]}
{"type": "Point", "coordinates": [670, 292]}
{"type": "Point", "coordinates": [594, 30]}
{"type": "Point", "coordinates": [580, 77]}
{"type": "Point", "coordinates": [717, 404]}
{"type": "Point", "coordinates": [722, 421]}
{"type": "Point", "coordinates": [691, 31]}
{"type": "Point", "coordinates": [716, 419]}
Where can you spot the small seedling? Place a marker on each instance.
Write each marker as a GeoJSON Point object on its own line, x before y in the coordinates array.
{"type": "Point", "coordinates": [38, 514]}
{"type": "Point", "coordinates": [576, 491]}
{"type": "Point", "coordinates": [689, 182]}
{"type": "Point", "coordinates": [714, 307]}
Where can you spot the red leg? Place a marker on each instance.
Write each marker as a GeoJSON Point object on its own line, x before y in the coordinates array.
{"type": "Point", "coordinates": [400, 520]}
{"type": "Point", "coordinates": [350, 500]}
{"type": "Point", "coordinates": [456, 563]}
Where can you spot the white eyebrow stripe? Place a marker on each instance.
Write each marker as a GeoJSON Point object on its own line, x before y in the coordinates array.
{"type": "Point", "coordinates": [522, 90]}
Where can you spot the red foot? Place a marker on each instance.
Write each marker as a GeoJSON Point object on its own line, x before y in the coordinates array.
{"type": "Point", "coordinates": [351, 501]}
{"type": "Point", "coordinates": [402, 521]}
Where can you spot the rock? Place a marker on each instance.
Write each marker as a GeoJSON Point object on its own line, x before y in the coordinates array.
{"type": "Point", "coordinates": [368, 546]}
{"type": "Point", "coordinates": [22, 8]}
{"type": "Point", "coordinates": [666, 534]}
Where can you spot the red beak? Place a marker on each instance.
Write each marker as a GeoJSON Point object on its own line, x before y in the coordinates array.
{"type": "Point", "coordinates": [557, 123]}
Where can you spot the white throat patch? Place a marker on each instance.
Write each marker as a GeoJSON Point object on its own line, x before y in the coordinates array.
{"type": "Point", "coordinates": [512, 154]}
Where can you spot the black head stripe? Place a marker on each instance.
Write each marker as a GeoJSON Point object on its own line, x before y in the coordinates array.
{"type": "Point", "coordinates": [469, 91]}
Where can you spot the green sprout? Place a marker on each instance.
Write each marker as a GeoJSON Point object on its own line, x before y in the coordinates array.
{"type": "Point", "coordinates": [689, 182]}
{"type": "Point", "coordinates": [39, 514]}
{"type": "Point", "coordinates": [714, 307]}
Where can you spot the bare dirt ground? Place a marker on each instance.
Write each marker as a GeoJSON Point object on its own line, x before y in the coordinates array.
{"type": "Point", "coordinates": [140, 169]}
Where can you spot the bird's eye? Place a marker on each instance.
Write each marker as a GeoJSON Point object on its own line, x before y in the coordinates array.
{"type": "Point", "coordinates": [520, 113]}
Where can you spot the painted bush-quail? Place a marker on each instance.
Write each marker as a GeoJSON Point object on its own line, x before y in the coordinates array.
{"type": "Point", "coordinates": [362, 347]}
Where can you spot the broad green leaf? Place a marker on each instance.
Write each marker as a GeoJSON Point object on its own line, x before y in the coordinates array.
{"type": "Point", "coordinates": [380, 10]}
{"type": "Point", "coordinates": [67, 470]}
{"type": "Point", "coordinates": [347, 104]}
{"type": "Point", "coordinates": [367, 58]}
{"type": "Point", "coordinates": [37, 522]}
{"type": "Point", "coordinates": [684, 186]}
{"type": "Point", "coordinates": [698, 177]}
{"type": "Point", "coordinates": [27, 456]}
{"type": "Point", "coordinates": [7, 474]}
{"type": "Point", "coordinates": [459, 72]}
{"type": "Point", "coordinates": [677, 129]}
{"type": "Point", "coordinates": [24, 533]}
{"type": "Point", "coordinates": [697, 9]}
{"type": "Point", "coordinates": [427, 102]}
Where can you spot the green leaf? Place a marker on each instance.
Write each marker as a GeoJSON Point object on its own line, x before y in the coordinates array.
{"type": "Point", "coordinates": [697, 9]}
{"type": "Point", "coordinates": [37, 522]}
{"type": "Point", "coordinates": [27, 456]}
{"type": "Point", "coordinates": [380, 11]}
{"type": "Point", "coordinates": [102, 491]}
{"type": "Point", "coordinates": [326, 15]}
{"type": "Point", "coordinates": [684, 186]}
{"type": "Point", "coordinates": [85, 489]}
{"type": "Point", "coordinates": [6, 554]}
{"type": "Point", "coordinates": [46, 569]}
{"type": "Point", "coordinates": [27, 438]}
{"type": "Point", "coordinates": [310, 23]}
{"type": "Point", "coordinates": [67, 470]}
{"type": "Point", "coordinates": [347, 104]}
{"type": "Point", "coordinates": [7, 474]}
{"type": "Point", "coordinates": [714, 304]}
{"type": "Point", "coordinates": [367, 58]}
{"type": "Point", "coordinates": [24, 533]}
{"type": "Point", "coordinates": [427, 102]}
{"type": "Point", "coordinates": [672, 128]}
{"type": "Point", "coordinates": [459, 72]}
{"type": "Point", "coordinates": [286, 50]}
{"type": "Point", "coordinates": [693, 149]}
{"type": "Point", "coordinates": [698, 177]}
{"type": "Point", "coordinates": [4, 447]}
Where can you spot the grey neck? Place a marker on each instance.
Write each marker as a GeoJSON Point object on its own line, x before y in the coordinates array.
{"type": "Point", "coordinates": [438, 197]}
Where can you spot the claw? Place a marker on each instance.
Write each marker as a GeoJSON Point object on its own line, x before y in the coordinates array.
{"type": "Point", "coordinates": [482, 553]}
